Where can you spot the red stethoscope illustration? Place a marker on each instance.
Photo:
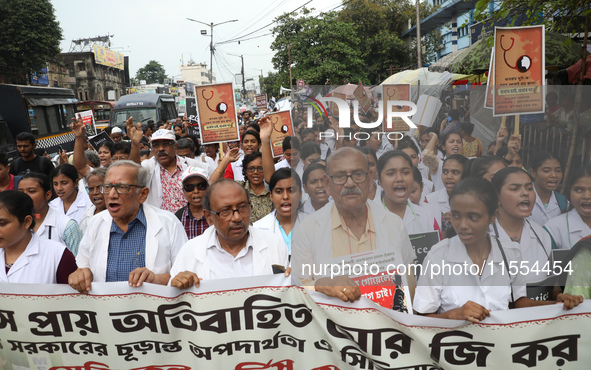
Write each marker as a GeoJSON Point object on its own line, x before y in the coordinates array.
{"type": "Point", "coordinates": [390, 96]}
{"type": "Point", "coordinates": [523, 63]}
{"type": "Point", "coordinates": [221, 108]}
{"type": "Point", "coordinates": [284, 129]}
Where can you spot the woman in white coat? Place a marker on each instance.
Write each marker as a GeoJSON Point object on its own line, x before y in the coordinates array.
{"type": "Point", "coordinates": [25, 260]}
{"type": "Point", "coordinates": [547, 173]}
{"type": "Point", "coordinates": [49, 224]}
{"type": "Point", "coordinates": [516, 195]}
{"type": "Point", "coordinates": [395, 173]}
{"type": "Point", "coordinates": [286, 194]}
{"type": "Point", "coordinates": [568, 228]}
{"type": "Point", "coordinates": [70, 200]}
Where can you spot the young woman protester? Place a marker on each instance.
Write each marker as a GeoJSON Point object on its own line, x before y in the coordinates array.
{"type": "Point", "coordinates": [516, 199]}
{"type": "Point", "coordinates": [310, 153]}
{"type": "Point", "coordinates": [547, 173]}
{"type": "Point", "coordinates": [251, 142]}
{"type": "Point", "coordinates": [570, 227]}
{"type": "Point", "coordinates": [316, 189]}
{"type": "Point", "coordinates": [486, 167]}
{"type": "Point", "coordinates": [49, 224]}
{"type": "Point", "coordinates": [70, 200]}
{"type": "Point", "coordinates": [484, 287]}
{"type": "Point", "coordinates": [286, 193]}
{"type": "Point", "coordinates": [395, 171]}
{"type": "Point", "coordinates": [409, 147]}
{"type": "Point", "coordinates": [375, 191]}
{"type": "Point", "coordinates": [94, 179]}
{"type": "Point", "coordinates": [451, 144]}
{"type": "Point", "coordinates": [451, 175]}
{"type": "Point", "coordinates": [25, 259]}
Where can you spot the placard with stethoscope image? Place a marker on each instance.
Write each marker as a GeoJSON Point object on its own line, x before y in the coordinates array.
{"type": "Point", "coordinates": [399, 92]}
{"type": "Point", "coordinates": [282, 128]}
{"type": "Point", "coordinates": [518, 70]}
{"type": "Point", "coordinates": [216, 113]}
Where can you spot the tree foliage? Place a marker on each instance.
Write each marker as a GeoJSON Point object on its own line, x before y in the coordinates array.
{"type": "Point", "coordinates": [557, 15]}
{"type": "Point", "coordinates": [358, 43]}
{"type": "Point", "coordinates": [153, 72]}
{"type": "Point", "coordinates": [30, 35]}
{"type": "Point", "coordinates": [323, 49]}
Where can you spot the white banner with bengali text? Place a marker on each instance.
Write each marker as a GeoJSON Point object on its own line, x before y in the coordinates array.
{"type": "Point", "coordinates": [264, 323]}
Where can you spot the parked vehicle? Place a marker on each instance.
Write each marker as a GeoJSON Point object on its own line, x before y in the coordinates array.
{"type": "Point", "coordinates": [46, 112]}
{"type": "Point", "coordinates": [101, 110]}
{"type": "Point", "coordinates": [143, 107]}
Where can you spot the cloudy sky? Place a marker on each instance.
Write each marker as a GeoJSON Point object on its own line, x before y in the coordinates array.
{"type": "Point", "coordinates": [159, 30]}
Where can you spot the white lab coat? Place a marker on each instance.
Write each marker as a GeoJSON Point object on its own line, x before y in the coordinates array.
{"type": "Point", "coordinates": [269, 223]}
{"type": "Point", "coordinates": [532, 249]}
{"type": "Point", "coordinates": [312, 242]}
{"type": "Point", "coordinates": [37, 265]}
{"type": "Point", "coordinates": [421, 221]}
{"type": "Point", "coordinates": [86, 217]}
{"type": "Point", "coordinates": [155, 182]}
{"type": "Point", "coordinates": [268, 250]}
{"type": "Point", "coordinates": [567, 229]}
{"type": "Point", "coordinates": [541, 214]}
{"type": "Point", "coordinates": [164, 237]}
{"type": "Point", "coordinates": [444, 292]}
{"type": "Point", "coordinates": [439, 200]}
{"type": "Point", "coordinates": [77, 209]}
{"type": "Point", "coordinates": [57, 223]}
{"type": "Point", "coordinates": [203, 158]}
{"type": "Point", "coordinates": [299, 168]}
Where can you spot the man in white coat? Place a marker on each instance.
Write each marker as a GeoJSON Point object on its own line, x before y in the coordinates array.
{"type": "Point", "coordinates": [349, 225]}
{"type": "Point", "coordinates": [165, 167]}
{"type": "Point", "coordinates": [231, 248]}
{"type": "Point", "coordinates": [129, 241]}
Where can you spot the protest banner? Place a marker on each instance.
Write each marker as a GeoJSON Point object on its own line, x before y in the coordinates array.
{"type": "Point", "coordinates": [518, 70]}
{"type": "Point", "coordinates": [490, 83]}
{"type": "Point", "coordinates": [87, 118]}
{"type": "Point", "coordinates": [262, 323]}
{"type": "Point", "coordinates": [282, 128]}
{"type": "Point", "coordinates": [261, 102]}
{"type": "Point", "coordinates": [362, 97]}
{"type": "Point", "coordinates": [97, 140]}
{"type": "Point", "coordinates": [400, 92]}
{"type": "Point", "coordinates": [422, 243]}
{"type": "Point", "coordinates": [216, 113]}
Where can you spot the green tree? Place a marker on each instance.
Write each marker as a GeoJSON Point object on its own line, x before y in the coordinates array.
{"type": "Point", "coordinates": [153, 72]}
{"type": "Point", "coordinates": [324, 49]}
{"type": "Point", "coordinates": [29, 36]}
{"type": "Point", "coordinates": [271, 84]}
{"type": "Point", "coordinates": [376, 24]}
{"type": "Point", "coordinates": [556, 15]}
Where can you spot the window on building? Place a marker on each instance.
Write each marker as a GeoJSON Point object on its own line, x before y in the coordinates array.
{"type": "Point", "coordinates": [80, 67]}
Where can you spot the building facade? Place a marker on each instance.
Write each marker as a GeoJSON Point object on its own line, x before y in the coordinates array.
{"type": "Point", "coordinates": [88, 80]}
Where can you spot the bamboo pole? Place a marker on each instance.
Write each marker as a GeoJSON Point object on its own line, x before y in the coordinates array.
{"type": "Point", "coordinates": [578, 99]}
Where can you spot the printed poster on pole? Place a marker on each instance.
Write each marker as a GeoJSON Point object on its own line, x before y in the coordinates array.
{"type": "Point", "coordinates": [216, 113]}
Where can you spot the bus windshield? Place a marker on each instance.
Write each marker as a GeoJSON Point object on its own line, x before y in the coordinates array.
{"type": "Point", "coordinates": [139, 115]}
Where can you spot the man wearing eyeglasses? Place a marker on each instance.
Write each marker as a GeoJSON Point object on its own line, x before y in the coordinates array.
{"type": "Point", "coordinates": [350, 225]}
{"type": "Point", "coordinates": [231, 248]}
{"type": "Point", "coordinates": [133, 241]}
{"type": "Point", "coordinates": [164, 168]}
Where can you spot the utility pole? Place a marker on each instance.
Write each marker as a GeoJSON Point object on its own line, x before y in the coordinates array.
{"type": "Point", "coordinates": [290, 79]}
{"type": "Point", "coordinates": [243, 83]}
{"type": "Point", "coordinates": [419, 61]}
{"type": "Point", "coordinates": [211, 49]}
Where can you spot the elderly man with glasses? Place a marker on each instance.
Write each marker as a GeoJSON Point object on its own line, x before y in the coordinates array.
{"type": "Point", "coordinates": [350, 226]}
{"type": "Point", "coordinates": [231, 248]}
{"type": "Point", "coordinates": [132, 241]}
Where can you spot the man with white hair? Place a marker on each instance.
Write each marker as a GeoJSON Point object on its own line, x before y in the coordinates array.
{"type": "Point", "coordinates": [132, 241]}
{"type": "Point", "coordinates": [350, 225]}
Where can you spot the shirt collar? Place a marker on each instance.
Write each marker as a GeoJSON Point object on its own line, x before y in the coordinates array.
{"type": "Point", "coordinates": [251, 192]}
{"type": "Point", "coordinates": [187, 214]}
{"type": "Point", "coordinates": [140, 217]}
{"type": "Point", "coordinates": [337, 220]}
{"type": "Point", "coordinates": [214, 242]}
